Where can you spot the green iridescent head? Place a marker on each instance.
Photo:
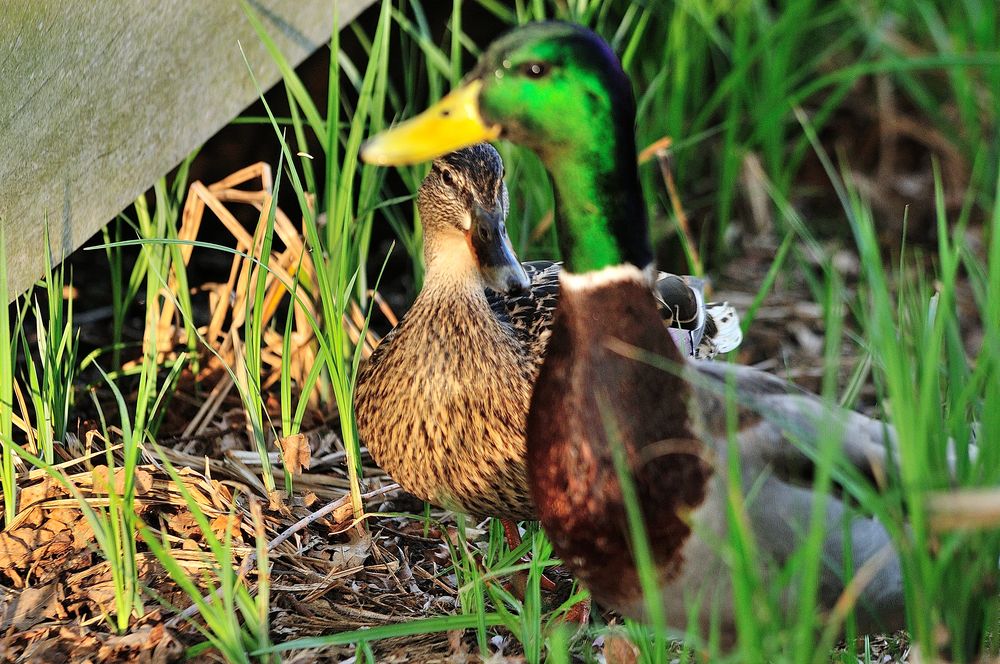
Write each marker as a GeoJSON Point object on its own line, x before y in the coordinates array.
{"type": "Point", "coordinates": [555, 88]}
{"type": "Point", "coordinates": [558, 89]}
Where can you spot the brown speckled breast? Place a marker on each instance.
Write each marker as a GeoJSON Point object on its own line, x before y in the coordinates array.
{"type": "Point", "coordinates": [572, 476]}
{"type": "Point", "coordinates": [441, 405]}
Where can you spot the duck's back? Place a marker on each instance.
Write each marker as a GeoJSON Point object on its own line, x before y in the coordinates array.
{"type": "Point", "coordinates": [700, 329]}
{"type": "Point", "coordinates": [530, 312]}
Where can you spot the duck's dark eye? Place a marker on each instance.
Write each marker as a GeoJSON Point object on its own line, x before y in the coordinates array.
{"type": "Point", "coordinates": [448, 178]}
{"type": "Point", "coordinates": [535, 69]}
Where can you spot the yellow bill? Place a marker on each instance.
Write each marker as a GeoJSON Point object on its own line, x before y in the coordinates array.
{"type": "Point", "coordinates": [452, 123]}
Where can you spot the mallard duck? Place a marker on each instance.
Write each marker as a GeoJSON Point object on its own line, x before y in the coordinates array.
{"type": "Point", "coordinates": [559, 90]}
{"type": "Point", "coordinates": [441, 403]}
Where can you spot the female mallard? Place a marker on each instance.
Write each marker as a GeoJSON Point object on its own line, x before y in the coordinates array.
{"type": "Point", "coordinates": [559, 90]}
{"type": "Point", "coordinates": [442, 402]}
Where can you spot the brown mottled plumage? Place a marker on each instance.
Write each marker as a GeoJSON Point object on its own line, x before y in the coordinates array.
{"type": "Point", "coordinates": [441, 407]}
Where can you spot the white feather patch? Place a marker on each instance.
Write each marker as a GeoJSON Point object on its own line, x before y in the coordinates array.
{"type": "Point", "coordinates": [614, 274]}
{"type": "Point", "coordinates": [729, 334]}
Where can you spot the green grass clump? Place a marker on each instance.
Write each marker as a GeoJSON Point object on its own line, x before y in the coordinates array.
{"type": "Point", "coordinates": [50, 386]}
{"type": "Point", "coordinates": [341, 246]}
{"type": "Point", "coordinates": [234, 621]}
{"type": "Point", "coordinates": [8, 471]}
{"type": "Point", "coordinates": [937, 400]}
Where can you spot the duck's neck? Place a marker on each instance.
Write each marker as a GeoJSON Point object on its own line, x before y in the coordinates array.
{"type": "Point", "coordinates": [452, 312]}
{"type": "Point", "coordinates": [600, 209]}
{"type": "Point", "coordinates": [451, 271]}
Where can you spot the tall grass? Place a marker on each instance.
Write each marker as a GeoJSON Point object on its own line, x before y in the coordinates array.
{"type": "Point", "coordinates": [341, 246]}
{"type": "Point", "coordinates": [249, 365]}
{"type": "Point", "coordinates": [50, 385]}
{"type": "Point", "coordinates": [118, 525]}
{"type": "Point", "coordinates": [723, 80]}
{"type": "Point", "coordinates": [8, 472]}
{"type": "Point", "coordinates": [935, 399]}
{"type": "Point", "coordinates": [50, 380]}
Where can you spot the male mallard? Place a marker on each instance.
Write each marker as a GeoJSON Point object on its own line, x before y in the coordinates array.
{"type": "Point", "coordinates": [442, 402]}
{"type": "Point", "coordinates": [560, 90]}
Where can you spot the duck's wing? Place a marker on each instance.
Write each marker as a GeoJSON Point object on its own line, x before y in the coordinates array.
{"type": "Point", "coordinates": [781, 432]}
{"type": "Point", "coordinates": [530, 312]}
{"type": "Point", "coordinates": [700, 329]}
{"type": "Point", "coordinates": [783, 425]}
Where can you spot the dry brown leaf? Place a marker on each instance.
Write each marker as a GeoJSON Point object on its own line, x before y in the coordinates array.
{"type": "Point", "coordinates": [143, 480]}
{"type": "Point", "coordinates": [83, 534]}
{"type": "Point", "coordinates": [619, 650]}
{"type": "Point", "coordinates": [167, 648]}
{"type": "Point", "coordinates": [102, 594]}
{"type": "Point", "coordinates": [224, 521]}
{"type": "Point", "coordinates": [33, 606]}
{"type": "Point", "coordinates": [353, 553]}
{"type": "Point", "coordinates": [33, 516]}
{"type": "Point", "coordinates": [295, 452]}
{"type": "Point", "coordinates": [14, 549]}
{"type": "Point", "coordinates": [100, 480]}
{"type": "Point", "coordinates": [276, 501]}
{"type": "Point", "coordinates": [24, 545]}
{"type": "Point", "coordinates": [55, 644]}
{"type": "Point", "coordinates": [221, 494]}
{"type": "Point", "coordinates": [184, 524]}
{"type": "Point", "coordinates": [62, 518]}
{"type": "Point", "coordinates": [36, 493]}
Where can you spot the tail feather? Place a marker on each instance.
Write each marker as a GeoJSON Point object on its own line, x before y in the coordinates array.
{"type": "Point", "coordinates": [722, 331]}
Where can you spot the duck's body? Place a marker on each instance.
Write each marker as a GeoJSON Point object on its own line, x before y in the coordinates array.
{"type": "Point", "coordinates": [443, 400]}
{"type": "Point", "coordinates": [441, 403]}
{"type": "Point", "coordinates": [673, 428]}
{"type": "Point", "coordinates": [559, 90]}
